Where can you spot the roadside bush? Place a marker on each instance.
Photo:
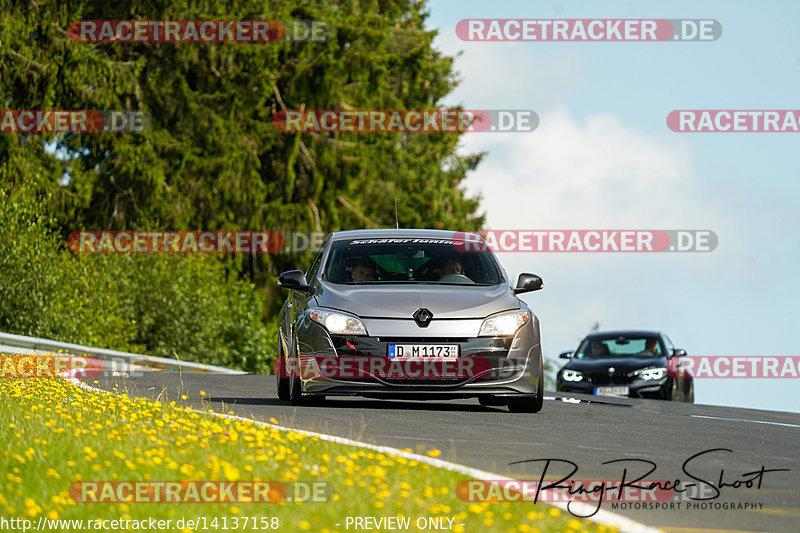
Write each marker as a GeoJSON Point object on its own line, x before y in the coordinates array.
{"type": "Point", "coordinates": [187, 307]}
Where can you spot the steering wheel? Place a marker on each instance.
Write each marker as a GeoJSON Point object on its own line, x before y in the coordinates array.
{"type": "Point", "coordinates": [456, 278]}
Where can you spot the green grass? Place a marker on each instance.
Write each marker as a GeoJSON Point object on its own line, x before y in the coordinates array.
{"type": "Point", "coordinates": [55, 434]}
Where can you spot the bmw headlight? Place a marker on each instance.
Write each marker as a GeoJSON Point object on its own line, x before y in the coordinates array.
{"type": "Point", "coordinates": [572, 375]}
{"type": "Point", "coordinates": [337, 322]}
{"type": "Point", "coordinates": [650, 374]}
{"type": "Point", "coordinates": [503, 324]}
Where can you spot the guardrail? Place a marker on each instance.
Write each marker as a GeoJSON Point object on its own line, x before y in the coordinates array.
{"type": "Point", "coordinates": [10, 342]}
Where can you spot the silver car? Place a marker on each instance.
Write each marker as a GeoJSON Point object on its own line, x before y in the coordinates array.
{"type": "Point", "coordinates": [420, 314]}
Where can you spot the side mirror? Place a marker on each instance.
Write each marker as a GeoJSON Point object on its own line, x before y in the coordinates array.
{"type": "Point", "coordinates": [528, 283]}
{"type": "Point", "coordinates": [293, 279]}
{"type": "Point", "coordinates": [565, 355]}
{"type": "Point", "coordinates": [678, 352]}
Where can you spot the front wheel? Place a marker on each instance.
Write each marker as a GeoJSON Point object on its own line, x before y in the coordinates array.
{"type": "Point", "coordinates": [525, 405]}
{"type": "Point", "coordinates": [295, 387]}
{"type": "Point", "coordinates": [530, 405]}
{"type": "Point", "coordinates": [491, 401]}
{"type": "Point", "coordinates": [689, 398]}
{"type": "Point", "coordinates": [283, 380]}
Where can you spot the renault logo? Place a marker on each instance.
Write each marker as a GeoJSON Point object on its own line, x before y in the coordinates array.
{"type": "Point", "coordinates": [422, 317]}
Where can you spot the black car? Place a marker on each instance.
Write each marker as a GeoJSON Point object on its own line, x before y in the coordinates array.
{"type": "Point", "coordinates": [636, 364]}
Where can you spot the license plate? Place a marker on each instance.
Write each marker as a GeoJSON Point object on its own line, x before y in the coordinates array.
{"type": "Point", "coordinates": [406, 351]}
{"type": "Point", "coordinates": [611, 391]}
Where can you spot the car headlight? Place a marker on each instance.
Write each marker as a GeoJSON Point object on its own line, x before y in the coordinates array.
{"type": "Point", "coordinates": [503, 324]}
{"type": "Point", "coordinates": [572, 375]}
{"type": "Point", "coordinates": [337, 322]}
{"type": "Point", "coordinates": [649, 374]}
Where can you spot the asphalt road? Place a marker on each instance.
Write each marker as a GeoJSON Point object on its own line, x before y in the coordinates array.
{"type": "Point", "coordinates": [587, 433]}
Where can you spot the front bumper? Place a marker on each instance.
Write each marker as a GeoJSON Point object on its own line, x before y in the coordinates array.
{"type": "Point", "coordinates": [637, 388]}
{"type": "Point", "coordinates": [497, 366]}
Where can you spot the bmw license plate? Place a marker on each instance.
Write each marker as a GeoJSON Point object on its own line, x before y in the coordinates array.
{"type": "Point", "coordinates": [611, 391]}
{"type": "Point", "coordinates": [405, 351]}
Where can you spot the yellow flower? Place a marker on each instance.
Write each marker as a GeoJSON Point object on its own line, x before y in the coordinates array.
{"type": "Point", "coordinates": [304, 525]}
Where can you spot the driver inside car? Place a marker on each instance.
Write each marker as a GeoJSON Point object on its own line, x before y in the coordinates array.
{"type": "Point", "coordinates": [651, 347]}
{"type": "Point", "coordinates": [451, 266]}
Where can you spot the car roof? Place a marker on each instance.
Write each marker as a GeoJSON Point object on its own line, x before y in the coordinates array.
{"type": "Point", "coordinates": [403, 234]}
{"type": "Point", "coordinates": [625, 333]}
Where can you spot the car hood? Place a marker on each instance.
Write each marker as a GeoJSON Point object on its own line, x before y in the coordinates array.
{"type": "Point", "coordinates": [400, 300]}
{"type": "Point", "coordinates": [620, 364]}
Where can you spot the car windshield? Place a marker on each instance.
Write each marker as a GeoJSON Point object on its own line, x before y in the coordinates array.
{"type": "Point", "coordinates": [619, 346]}
{"type": "Point", "coordinates": [439, 261]}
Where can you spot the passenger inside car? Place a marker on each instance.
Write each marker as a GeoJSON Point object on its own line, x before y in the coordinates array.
{"type": "Point", "coordinates": [364, 270]}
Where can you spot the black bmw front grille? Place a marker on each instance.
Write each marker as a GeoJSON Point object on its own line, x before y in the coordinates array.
{"type": "Point", "coordinates": [606, 378]}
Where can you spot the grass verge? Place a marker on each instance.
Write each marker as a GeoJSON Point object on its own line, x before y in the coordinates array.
{"type": "Point", "coordinates": [54, 434]}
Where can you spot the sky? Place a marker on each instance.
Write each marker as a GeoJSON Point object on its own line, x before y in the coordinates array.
{"type": "Point", "coordinates": [603, 157]}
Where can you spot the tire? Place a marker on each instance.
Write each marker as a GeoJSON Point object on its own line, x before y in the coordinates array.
{"type": "Point", "coordinates": [530, 405]}
{"type": "Point", "coordinates": [283, 383]}
{"type": "Point", "coordinates": [525, 405]}
{"type": "Point", "coordinates": [674, 392]}
{"type": "Point", "coordinates": [491, 401]}
{"type": "Point", "coordinates": [295, 387]}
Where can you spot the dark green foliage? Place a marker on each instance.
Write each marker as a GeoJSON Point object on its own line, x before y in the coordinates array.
{"type": "Point", "coordinates": [173, 306]}
{"type": "Point", "coordinates": [213, 160]}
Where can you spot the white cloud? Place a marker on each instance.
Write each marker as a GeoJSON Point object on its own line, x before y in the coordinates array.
{"type": "Point", "coordinates": [509, 76]}
{"type": "Point", "coordinates": [602, 173]}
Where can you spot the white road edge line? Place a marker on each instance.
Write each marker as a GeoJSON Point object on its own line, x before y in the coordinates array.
{"type": "Point", "coordinates": [606, 518]}
{"type": "Point", "coordinates": [746, 420]}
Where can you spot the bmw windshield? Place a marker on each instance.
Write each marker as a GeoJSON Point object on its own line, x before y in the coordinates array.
{"type": "Point", "coordinates": [436, 261]}
{"type": "Point", "coordinates": [598, 348]}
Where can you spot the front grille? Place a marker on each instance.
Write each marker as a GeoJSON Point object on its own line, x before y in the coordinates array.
{"type": "Point", "coordinates": [377, 346]}
{"type": "Point", "coordinates": [422, 340]}
{"type": "Point", "coordinates": [423, 382]}
{"type": "Point", "coordinates": [604, 378]}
